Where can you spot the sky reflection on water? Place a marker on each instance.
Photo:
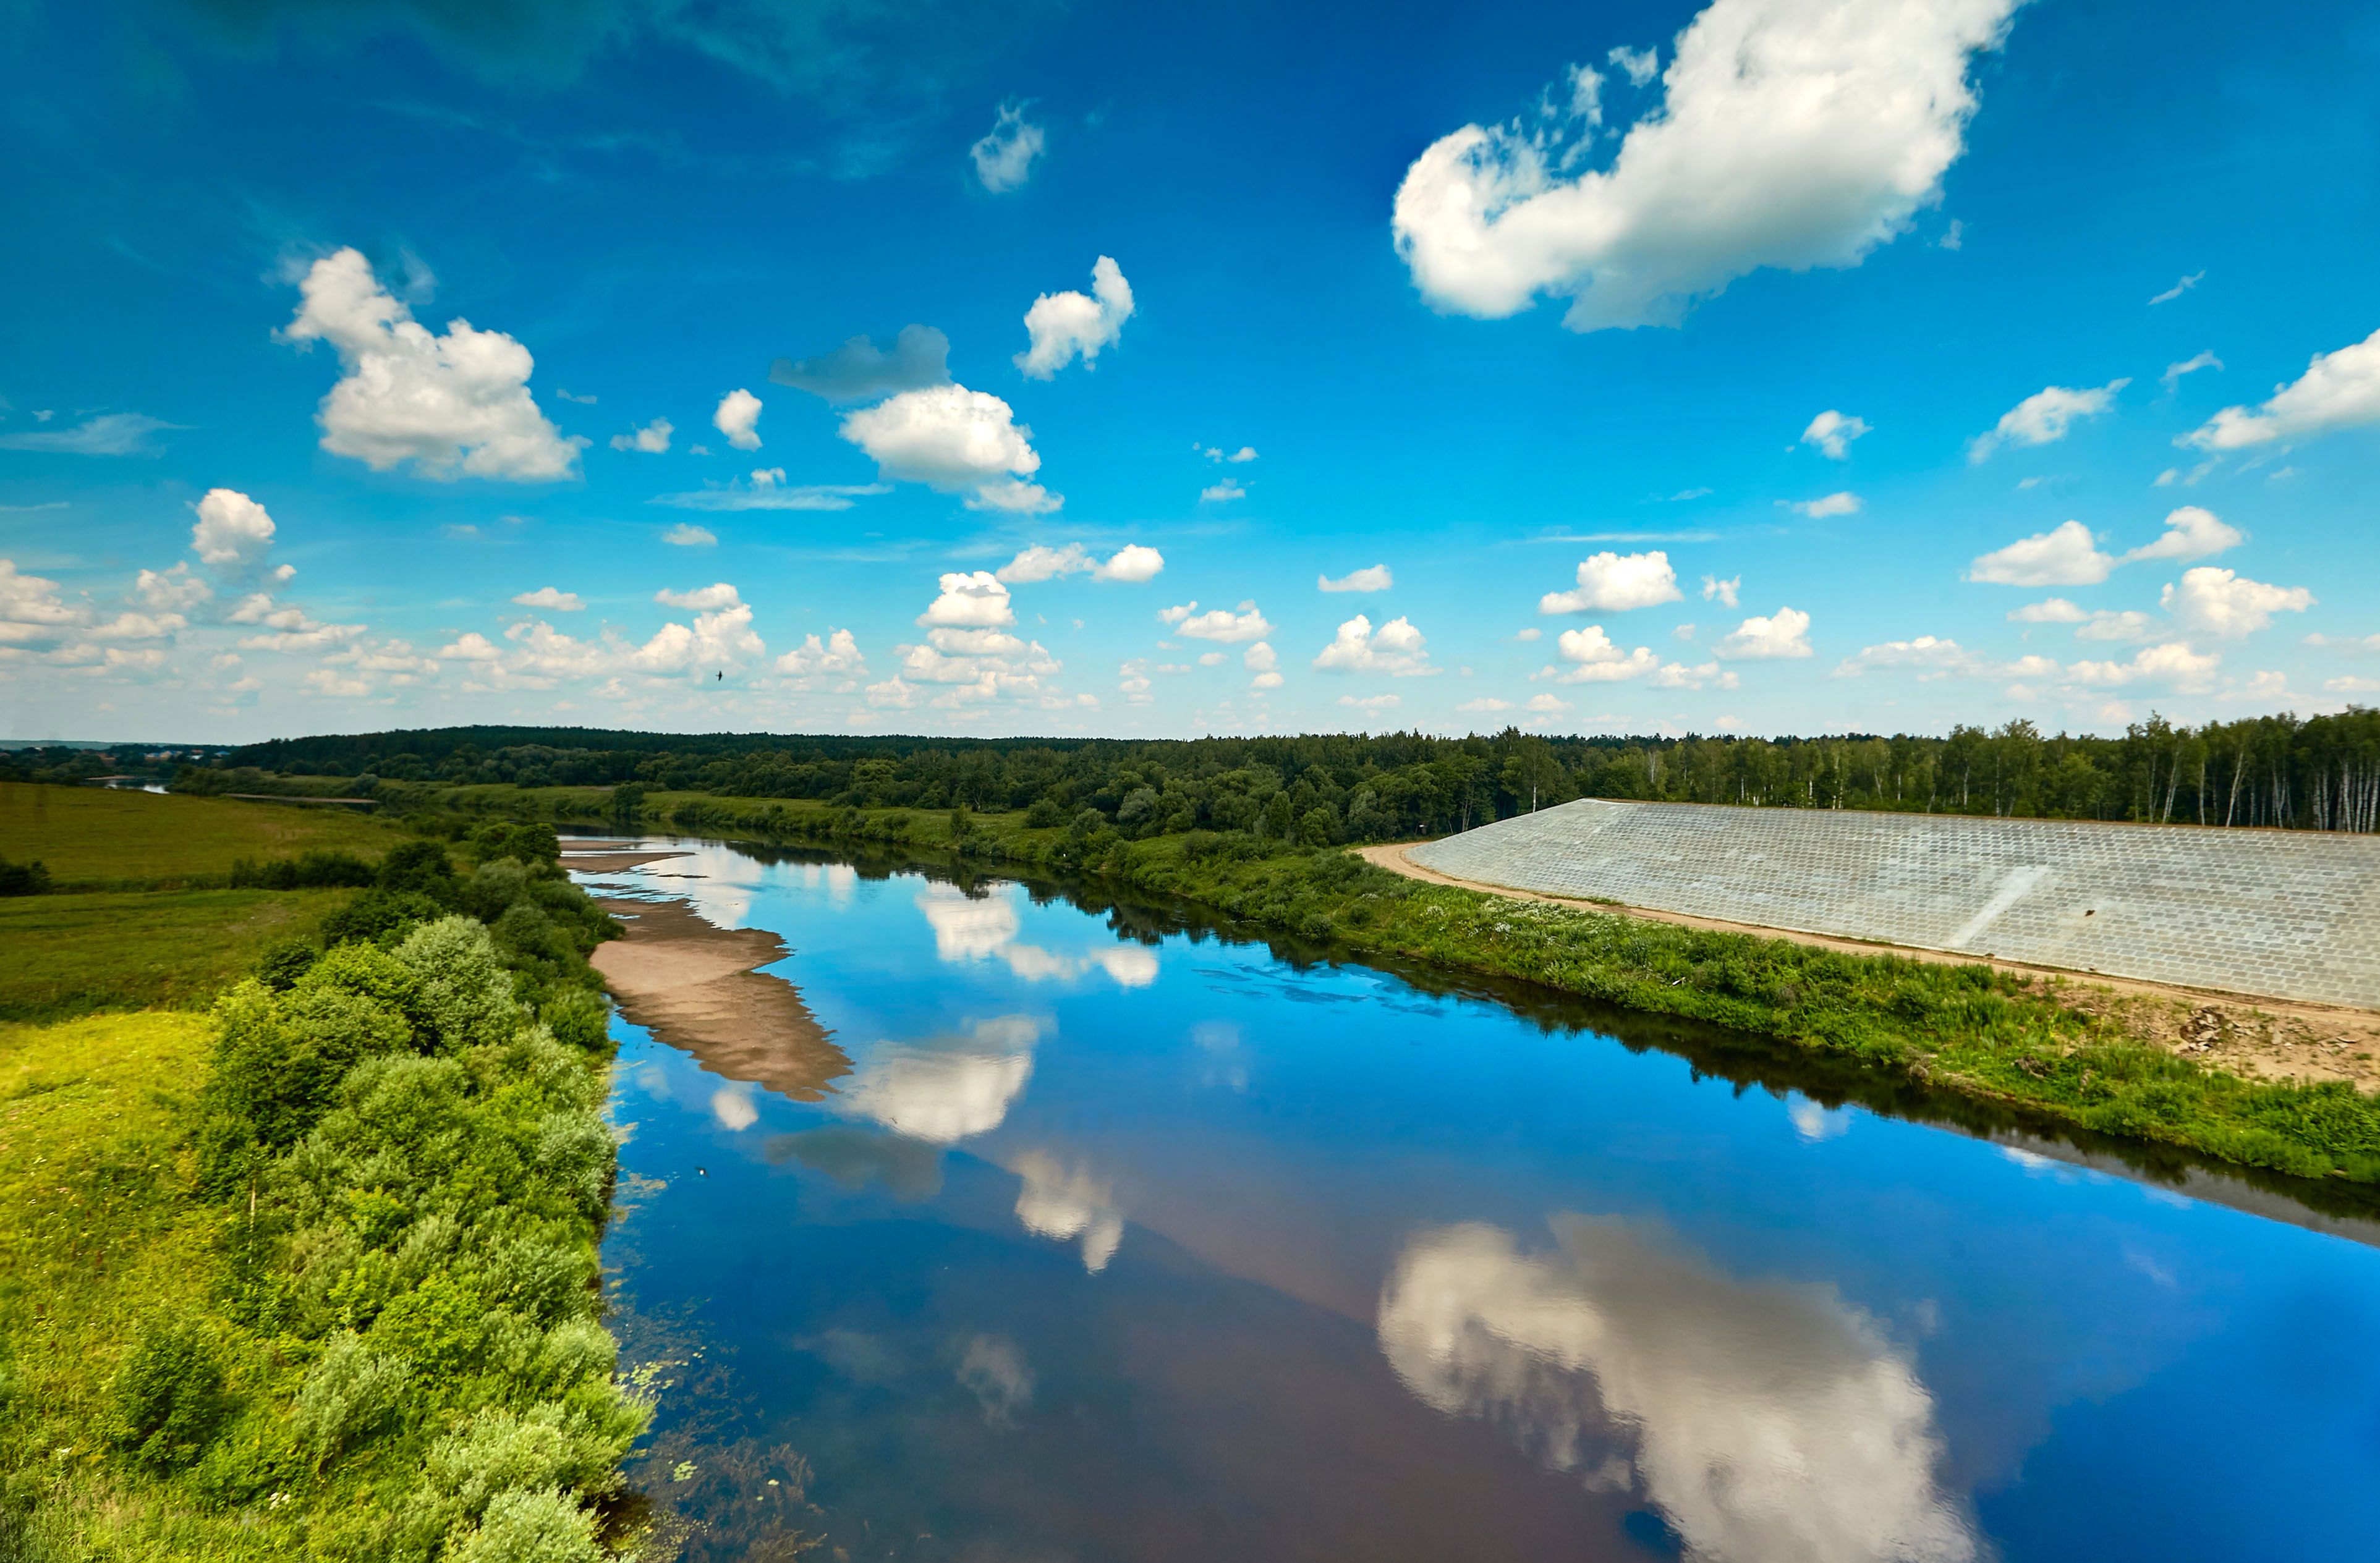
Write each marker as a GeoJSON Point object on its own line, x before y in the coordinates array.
{"type": "Point", "coordinates": [1107, 1249]}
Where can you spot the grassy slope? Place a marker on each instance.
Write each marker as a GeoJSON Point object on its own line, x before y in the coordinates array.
{"type": "Point", "coordinates": [1966, 1029]}
{"type": "Point", "coordinates": [95, 1228]}
{"type": "Point", "coordinates": [93, 836]}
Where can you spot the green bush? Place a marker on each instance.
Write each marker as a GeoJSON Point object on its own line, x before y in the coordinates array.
{"type": "Point", "coordinates": [24, 879]}
{"type": "Point", "coordinates": [169, 1395]}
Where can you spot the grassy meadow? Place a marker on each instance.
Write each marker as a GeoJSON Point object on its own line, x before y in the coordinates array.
{"type": "Point", "coordinates": [140, 915]}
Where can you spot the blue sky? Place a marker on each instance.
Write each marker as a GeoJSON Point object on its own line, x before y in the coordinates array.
{"type": "Point", "coordinates": [1836, 364]}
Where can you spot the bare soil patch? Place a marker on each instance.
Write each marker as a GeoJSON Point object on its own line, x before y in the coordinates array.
{"type": "Point", "coordinates": [693, 985]}
{"type": "Point", "coordinates": [2255, 1038]}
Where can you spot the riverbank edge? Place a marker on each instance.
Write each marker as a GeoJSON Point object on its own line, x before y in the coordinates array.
{"type": "Point", "coordinates": [2053, 1052]}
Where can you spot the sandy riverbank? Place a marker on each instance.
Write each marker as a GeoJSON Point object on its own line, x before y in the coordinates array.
{"type": "Point", "coordinates": [693, 985]}
{"type": "Point", "coordinates": [2256, 1039]}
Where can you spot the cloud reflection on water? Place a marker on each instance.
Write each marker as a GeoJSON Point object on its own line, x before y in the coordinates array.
{"type": "Point", "coordinates": [1771, 1422]}
{"type": "Point", "coordinates": [949, 1089]}
{"type": "Point", "coordinates": [985, 927]}
{"type": "Point", "coordinates": [1061, 1202]}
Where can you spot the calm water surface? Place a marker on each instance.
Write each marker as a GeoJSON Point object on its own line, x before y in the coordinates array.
{"type": "Point", "coordinates": [1114, 1248]}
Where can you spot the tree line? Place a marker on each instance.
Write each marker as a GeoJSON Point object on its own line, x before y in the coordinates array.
{"type": "Point", "coordinates": [2319, 774]}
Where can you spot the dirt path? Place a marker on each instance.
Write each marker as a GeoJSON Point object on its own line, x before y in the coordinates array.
{"type": "Point", "coordinates": [692, 984]}
{"type": "Point", "coordinates": [2258, 1039]}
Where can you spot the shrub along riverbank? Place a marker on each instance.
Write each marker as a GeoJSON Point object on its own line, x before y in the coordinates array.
{"type": "Point", "coordinates": [314, 1275]}
{"type": "Point", "coordinates": [1972, 1030]}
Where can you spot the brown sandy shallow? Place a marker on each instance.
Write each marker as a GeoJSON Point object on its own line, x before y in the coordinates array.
{"type": "Point", "coordinates": [692, 984]}
{"type": "Point", "coordinates": [2256, 1039]}
{"type": "Point", "coordinates": [613, 862]}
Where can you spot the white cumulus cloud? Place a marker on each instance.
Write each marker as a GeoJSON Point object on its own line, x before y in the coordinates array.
{"type": "Point", "coordinates": [1395, 648]}
{"type": "Point", "coordinates": [652, 439]}
{"type": "Point", "coordinates": [953, 439]}
{"type": "Point", "coordinates": [1372, 577]}
{"type": "Point", "coordinates": [552, 598]}
{"type": "Point", "coordinates": [838, 655]}
{"type": "Point", "coordinates": [233, 532]}
{"type": "Point", "coordinates": [2221, 602]}
{"type": "Point", "coordinates": [1065, 326]}
{"type": "Point", "coordinates": [1722, 591]}
{"type": "Point", "coordinates": [1833, 432]}
{"type": "Point", "coordinates": [1791, 134]}
{"type": "Point", "coordinates": [2339, 389]}
{"type": "Point", "coordinates": [453, 403]}
{"type": "Point", "coordinates": [1616, 582]}
{"type": "Point", "coordinates": [2044, 417]}
{"type": "Point", "coordinates": [1263, 665]}
{"type": "Point", "coordinates": [1839, 503]}
{"type": "Point", "coordinates": [1003, 157]}
{"type": "Point", "coordinates": [1782, 634]}
{"type": "Point", "coordinates": [2191, 532]}
{"type": "Point", "coordinates": [738, 414]}
{"type": "Point", "coordinates": [2065, 555]}
{"type": "Point", "coordinates": [1218, 624]}
{"type": "Point", "coordinates": [1133, 563]}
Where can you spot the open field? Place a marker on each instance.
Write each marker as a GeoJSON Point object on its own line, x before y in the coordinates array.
{"type": "Point", "coordinates": [96, 837]}
{"type": "Point", "coordinates": [141, 950]}
{"type": "Point", "coordinates": [97, 1233]}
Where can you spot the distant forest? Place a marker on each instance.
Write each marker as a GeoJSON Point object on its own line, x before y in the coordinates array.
{"type": "Point", "coordinates": [2316, 773]}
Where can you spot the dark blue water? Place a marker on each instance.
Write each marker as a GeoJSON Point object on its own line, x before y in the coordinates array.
{"type": "Point", "coordinates": [1107, 1249]}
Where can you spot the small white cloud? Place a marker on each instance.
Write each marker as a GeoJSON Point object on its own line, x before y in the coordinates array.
{"type": "Point", "coordinates": [2192, 365]}
{"type": "Point", "coordinates": [2172, 663]}
{"type": "Point", "coordinates": [1616, 582]}
{"type": "Point", "coordinates": [1833, 432]}
{"type": "Point", "coordinates": [969, 601]}
{"type": "Point", "coordinates": [233, 531]}
{"type": "Point", "coordinates": [701, 598]}
{"type": "Point", "coordinates": [2339, 389]}
{"type": "Point", "coordinates": [1641, 65]}
{"type": "Point", "coordinates": [1372, 577]}
{"type": "Point", "coordinates": [1781, 633]}
{"type": "Point", "coordinates": [838, 655]}
{"type": "Point", "coordinates": [582, 401]}
{"type": "Point", "coordinates": [1839, 503]}
{"type": "Point", "coordinates": [2190, 533]}
{"type": "Point", "coordinates": [2221, 602]}
{"type": "Point", "coordinates": [170, 591]}
{"type": "Point", "coordinates": [1722, 591]}
{"type": "Point", "coordinates": [456, 404]}
{"type": "Point", "coordinates": [1485, 706]}
{"type": "Point", "coordinates": [2065, 555]}
{"type": "Point", "coordinates": [1132, 564]}
{"type": "Point", "coordinates": [1004, 158]}
{"type": "Point", "coordinates": [1218, 624]}
{"type": "Point", "coordinates": [472, 648]}
{"type": "Point", "coordinates": [1532, 632]}
{"type": "Point", "coordinates": [2055, 611]}
{"type": "Point", "coordinates": [1395, 648]}
{"type": "Point", "coordinates": [953, 439]}
{"type": "Point", "coordinates": [1596, 660]}
{"type": "Point", "coordinates": [2177, 289]}
{"type": "Point", "coordinates": [1372, 702]}
{"type": "Point", "coordinates": [1263, 665]}
{"type": "Point", "coordinates": [685, 534]}
{"type": "Point", "coordinates": [2045, 416]}
{"type": "Point", "coordinates": [552, 598]}
{"type": "Point", "coordinates": [1216, 453]}
{"type": "Point", "coordinates": [739, 412]}
{"type": "Point", "coordinates": [652, 439]}
{"type": "Point", "coordinates": [1063, 325]}
{"type": "Point", "coordinates": [1219, 494]}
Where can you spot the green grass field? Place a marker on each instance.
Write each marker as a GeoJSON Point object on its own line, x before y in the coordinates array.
{"type": "Point", "coordinates": [95, 837]}
{"type": "Point", "coordinates": [96, 1229]}
{"type": "Point", "coordinates": [141, 950]}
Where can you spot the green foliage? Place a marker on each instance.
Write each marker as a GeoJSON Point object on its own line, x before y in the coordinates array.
{"type": "Point", "coordinates": [24, 879]}
{"type": "Point", "coordinates": [284, 961]}
{"type": "Point", "coordinates": [318, 869]}
{"type": "Point", "coordinates": [169, 1396]}
{"type": "Point", "coordinates": [398, 1353]}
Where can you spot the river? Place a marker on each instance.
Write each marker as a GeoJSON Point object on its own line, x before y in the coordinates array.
{"type": "Point", "coordinates": [1118, 1240]}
